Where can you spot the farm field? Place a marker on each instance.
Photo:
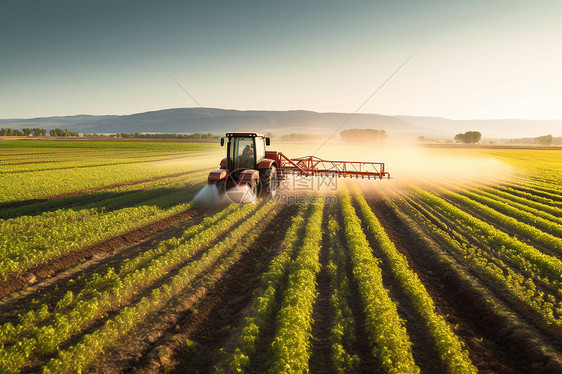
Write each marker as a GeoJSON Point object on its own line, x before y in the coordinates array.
{"type": "Point", "coordinates": [107, 265]}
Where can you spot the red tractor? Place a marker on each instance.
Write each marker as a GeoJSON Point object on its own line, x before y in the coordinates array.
{"type": "Point", "coordinates": [248, 163]}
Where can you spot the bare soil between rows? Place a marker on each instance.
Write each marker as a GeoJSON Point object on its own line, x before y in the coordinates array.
{"type": "Point", "coordinates": [188, 337]}
{"type": "Point", "coordinates": [492, 345]}
{"type": "Point", "coordinates": [47, 269]}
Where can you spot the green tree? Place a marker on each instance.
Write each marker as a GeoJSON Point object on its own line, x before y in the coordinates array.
{"type": "Point", "coordinates": [469, 137]}
{"type": "Point", "coordinates": [544, 140]}
{"type": "Point", "coordinates": [26, 132]}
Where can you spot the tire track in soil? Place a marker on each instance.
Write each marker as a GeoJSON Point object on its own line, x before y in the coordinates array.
{"type": "Point", "coordinates": [480, 332]}
{"type": "Point", "coordinates": [425, 355]}
{"type": "Point", "coordinates": [131, 238]}
{"type": "Point", "coordinates": [218, 309]}
{"type": "Point", "coordinates": [17, 204]}
{"type": "Point", "coordinates": [322, 313]}
{"type": "Point", "coordinates": [361, 345]}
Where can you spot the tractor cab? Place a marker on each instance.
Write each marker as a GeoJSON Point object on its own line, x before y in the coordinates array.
{"type": "Point", "coordinates": [246, 162]}
{"type": "Point", "coordinates": [244, 151]}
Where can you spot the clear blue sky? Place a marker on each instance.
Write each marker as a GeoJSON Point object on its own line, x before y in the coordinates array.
{"type": "Point", "coordinates": [473, 59]}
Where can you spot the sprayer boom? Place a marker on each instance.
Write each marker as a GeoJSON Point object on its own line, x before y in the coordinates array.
{"type": "Point", "coordinates": [314, 166]}
{"type": "Point", "coordinates": [248, 163]}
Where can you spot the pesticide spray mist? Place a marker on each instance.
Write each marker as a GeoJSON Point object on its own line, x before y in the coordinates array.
{"type": "Point", "coordinates": [411, 164]}
{"type": "Point", "coordinates": [208, 195]}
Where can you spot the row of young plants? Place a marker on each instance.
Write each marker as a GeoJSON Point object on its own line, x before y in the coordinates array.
{"type": "Point", "coordinates": [29, 241]}
{"type": "Point", "coordinates": [546, 183]}
{"type": "Point", "coordinates": [342, 331]}
{"type": "Point", "coordinates": [491, 208]}
{"type": "Point", "coordinates": [132, 274]}
{"type": "Point", "coordinates": [479, 289]}
{"type": "Point", "coordinates": [529, 194]}
{"type": "Point", "coordinates": [550, 186]}
{"type": "Point", "coordinates": [541, 264]}
{"type": "Point", "coordinates": [486, 261]}
{"type": "Point", "coordinates": [111, 197]}
{"type": "Point", "coordinates": [537, 191]}
{"type": "Point", "coordinates": [80, 162]}
{"type": "Point", "coordinates": [206, 270]}
{"type": "Point", "coordinates": [446, 343]}
{"type": "Point", "coordinates": [495, 254]}
{"type": "Point", "coordinates": [43, 159]}
{"type": "Point", "coordinates": [44, 184]}
{"type": "Point", "coordinates": [112, 291]}
{"type": "Point", "coordinates": [387, 334]}
{"type": "Point", "coordinates": [291, 343]}
{"type": "Point", "coordinates": [492, 253]}
{"type": "Point", "coordinates": [243, 344]}
{"type": "Point", "coordinates": [540, 210]}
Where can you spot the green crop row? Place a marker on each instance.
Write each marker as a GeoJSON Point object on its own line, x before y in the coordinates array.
{"type": "Point", "coordinates": [263, 299]}
{"type": "Point", "coordinates": [101, 294]}
{"type": "Point", "coordinates": [29, 241]}
{"type": "Point", "coordinates": [447, 344]}
{"type": "Point", "coordinates": [529, 194]}
{"type": "Point", "coordinates": [488, 266]}
{"type": "Point", "coordinates": [542, 264]}
{"type": "Point", "coordinates": [488, 247]}
{"type": "Point", "coordinates": [489, 207]}
{"type": "Point", "coordinates": [47, 183]}
{"type": "Point", "coordinates": [291, 345]}
{"type": "Point", "coordinates": [80, 163]}
{"type": "Point", "coordinates": [92, 346]}
{"type": "Point", "coordinates": [385, 329]}
{"type": "Point", "coordinates": [542, 210]}
{"type": "Point", "coordinates": [461, 268]}
{"type": "Point", "coordinates": [342, 331]}
{"type": "Point", "coordinates": [110, 198]}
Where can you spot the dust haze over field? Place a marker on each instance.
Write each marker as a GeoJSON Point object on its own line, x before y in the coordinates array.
{"type": "Point", "coordinates": [408, 162]}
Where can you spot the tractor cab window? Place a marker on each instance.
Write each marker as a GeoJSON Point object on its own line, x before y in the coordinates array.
{"type": "Point", "coordinates": [243, 153]}
{"type": "Point", "coordinates": [260, 149]}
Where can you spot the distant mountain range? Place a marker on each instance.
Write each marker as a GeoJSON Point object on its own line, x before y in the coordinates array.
{"type": "Point", "coordinates": [190, 120]}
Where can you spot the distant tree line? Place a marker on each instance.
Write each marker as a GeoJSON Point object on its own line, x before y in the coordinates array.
{"type": "Point", "coordinates": [363, 135]}
{"type": "Point", "coordinates": [197, 135]}
{"type": "Point", "coordinates": [540, 140]}
{"type": "Point", "coordinates": [23, 132]}
{"type": "Point", "coordinates": [469, 137]}
{"type": "Point", "coordinates": [62, 133]}
{"type": "Point", "coordinates": [544, 140]}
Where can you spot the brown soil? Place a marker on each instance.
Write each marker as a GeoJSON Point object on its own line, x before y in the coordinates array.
{"type": "Point", "coordinates": [322, 314]}
{"type": "Point", "coordinates": [361, 345]}
{"type": "Point", "coordinates": [17, 281]}
{"type": "Point", "coordinates": [204, 316]}
{"type": "Point", "coordinates": [425, 355]}
{"type": "Point", "coordinates": [495, 344]}
{"type": "Point", "coordinates": [498, 225]}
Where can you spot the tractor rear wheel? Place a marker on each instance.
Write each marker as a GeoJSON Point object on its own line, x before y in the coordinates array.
{"type": "Point", "coordinates": [269, 181]}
